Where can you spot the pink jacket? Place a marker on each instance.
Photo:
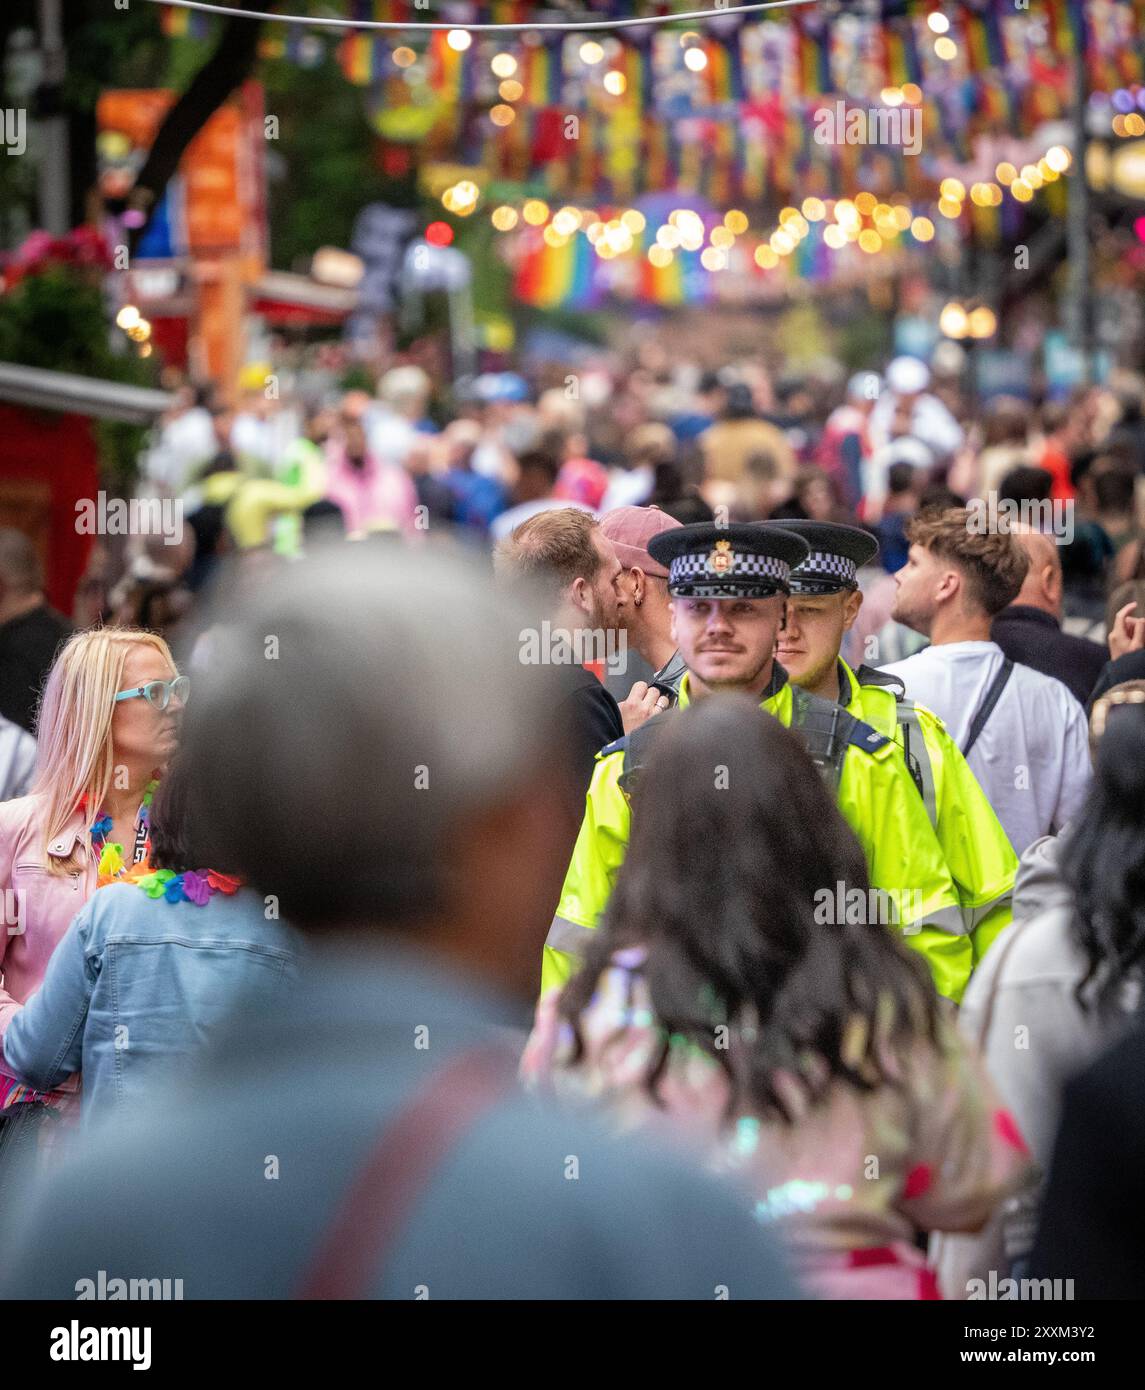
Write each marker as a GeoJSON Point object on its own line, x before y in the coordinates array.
{"type": "Point", "coordinates": [378, 496]}
{"type": "Point", "coordinates": [36, 907]}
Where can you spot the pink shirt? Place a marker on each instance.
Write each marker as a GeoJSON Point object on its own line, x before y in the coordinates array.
{"type": "Point", "coordinates": [37, 906]}
{"type": "Point", "coordinates": [377, 496]}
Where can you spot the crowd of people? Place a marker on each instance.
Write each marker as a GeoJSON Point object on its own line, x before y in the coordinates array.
{"type": "Point", "coordinates": [696, 814]}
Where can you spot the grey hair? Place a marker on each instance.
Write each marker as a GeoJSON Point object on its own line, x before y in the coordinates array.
{"type": "Point", "coordinates": [361, 703]}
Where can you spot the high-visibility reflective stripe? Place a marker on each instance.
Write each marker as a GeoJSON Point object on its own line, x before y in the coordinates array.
{"type": "Point", "coordinates": [569, 937]}
{"type": "Point", "coordinates": [947, 919]}
{"type": "Point", "coordinates": [979, 914]}
{"type": "Point", "coordinates": [907, 716]}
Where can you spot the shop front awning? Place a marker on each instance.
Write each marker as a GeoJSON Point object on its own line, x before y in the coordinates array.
{"type": "Point", "coordinates": [40, 389]}
{"type": "Point", "coordinates": [284, 299]}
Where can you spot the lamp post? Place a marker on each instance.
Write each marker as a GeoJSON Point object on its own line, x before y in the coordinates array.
{"type": "Point", "coordinates": [1079, 322]}
{"type": "Point", "coordinates": [54, 172]}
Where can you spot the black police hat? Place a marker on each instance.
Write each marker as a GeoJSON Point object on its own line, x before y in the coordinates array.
{"type": "Point", "coordinates": [836, 554]}
{"type": "Point", "coordinates": [741, 561]}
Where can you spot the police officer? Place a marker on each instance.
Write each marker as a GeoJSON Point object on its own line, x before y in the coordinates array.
{"type": "Point", "coordinates": [728, 588]}
{"type": "Point", "coordinates": [824, 602]}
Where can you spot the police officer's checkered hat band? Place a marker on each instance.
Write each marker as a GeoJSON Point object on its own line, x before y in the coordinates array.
{"type": "Point", "coordinates": [822, 564]}
{"type": "Point", "coordinates": [758, 569]}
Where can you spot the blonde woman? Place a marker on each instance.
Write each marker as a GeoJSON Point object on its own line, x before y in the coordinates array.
{"type": "Point", "coordinates": [107, 725]}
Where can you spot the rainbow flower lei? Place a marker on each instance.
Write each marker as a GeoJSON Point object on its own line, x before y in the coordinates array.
{"type": "Point", "coordinates": [110, 853]}
{"type": "Point", "coordinates": [196, 886]}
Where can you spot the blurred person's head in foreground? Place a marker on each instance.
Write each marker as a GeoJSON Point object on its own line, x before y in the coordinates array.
{"type": "Point", "coordinates": [176, 837]}
{"type": "Point", "coordinates": [1104, 856]}
{"type": "Point", "coordinates": [720, 887]}
{"type": "Point", "coordinates": [956, 569]}
{"type": "Point", "coordinates": [391, 771]}
{"type": "Point", "coordinates": [562, 566]}
{"type": "Point", "coordinates": [646, 612]}
{"type": "Point", "coordinates": [728, 586]}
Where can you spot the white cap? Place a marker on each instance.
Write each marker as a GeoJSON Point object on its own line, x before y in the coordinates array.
{"type": "Point", "coordinates": [906, 376]}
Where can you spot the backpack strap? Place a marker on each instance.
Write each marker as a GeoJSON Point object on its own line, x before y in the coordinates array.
{"type": "Point", "coordinates": [917, 755]}
{"type": "Point", "coordinates": [637, 747]}
{"type": "Point", "coordinates": [915, 752]}
{"type": "Point", "coordinates": [986, 708]}
{"type": "Point", "coordinates": [828, 730]}
{"type": "Point", "coordinates": [403, 1159]}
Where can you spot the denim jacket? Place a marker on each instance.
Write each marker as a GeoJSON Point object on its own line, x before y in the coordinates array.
{"type": "Point", "coordinates": [137, 984]}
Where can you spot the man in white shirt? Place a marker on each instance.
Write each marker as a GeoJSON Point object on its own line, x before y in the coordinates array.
{"type": "Point", "coordinates": [1030, 749]}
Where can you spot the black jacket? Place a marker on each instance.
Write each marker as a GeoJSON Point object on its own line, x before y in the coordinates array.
{"type": "Point", "coordinates": [1035, 638]}
{"type": "Point", "coordinates": [1130, 667]}
{"type": "Point", "coordinates": [592, 718]}
{"type": "Point", "coordinates": [1093, 1213]}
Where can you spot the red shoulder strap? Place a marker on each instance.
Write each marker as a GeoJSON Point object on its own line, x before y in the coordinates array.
{"type": "Point", "coordinates": [399, 1167]}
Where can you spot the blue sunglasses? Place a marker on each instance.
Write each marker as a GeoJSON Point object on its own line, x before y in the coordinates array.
{"type": "Point", "coordinates": [158, 693]}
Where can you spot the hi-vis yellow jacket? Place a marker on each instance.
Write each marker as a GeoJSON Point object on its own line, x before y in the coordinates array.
{"type": "Point", "coordinates": [981, 859]}
{"type": "Point", "coordinates": [874, 792]}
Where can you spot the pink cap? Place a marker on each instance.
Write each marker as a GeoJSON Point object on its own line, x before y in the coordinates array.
{"type": "Point", "coordinates": [630, 529]}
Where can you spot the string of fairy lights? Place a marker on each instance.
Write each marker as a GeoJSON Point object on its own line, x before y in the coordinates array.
{"type": "Point", "coordinates": [864, 220]}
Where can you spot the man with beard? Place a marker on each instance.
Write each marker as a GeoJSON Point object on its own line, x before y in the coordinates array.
{"type": "Point", "coordinates": [825, 601]}
{"type": "Point", "coordinates": [728, 588]}
{"type": "Point", "coordinates": [567, 574]}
